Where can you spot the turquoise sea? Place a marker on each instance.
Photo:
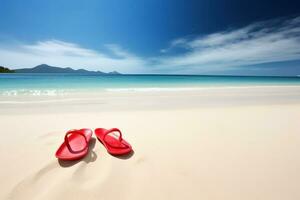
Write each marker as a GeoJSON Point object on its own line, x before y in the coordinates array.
{"type": "Point", "coordinates": [55, 84]}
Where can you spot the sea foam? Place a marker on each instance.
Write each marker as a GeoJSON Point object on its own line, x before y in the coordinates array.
{"type": "Point", "coordinates": [33, 92]}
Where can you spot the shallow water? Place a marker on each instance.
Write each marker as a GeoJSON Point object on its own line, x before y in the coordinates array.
{"type": "Point", "coordinates": [62, 84]}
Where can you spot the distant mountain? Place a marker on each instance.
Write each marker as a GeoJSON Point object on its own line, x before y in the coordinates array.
{"type": "Point", "coordinates": [114, 72]}
{"type": "Point", "coordinates": [44, 68]}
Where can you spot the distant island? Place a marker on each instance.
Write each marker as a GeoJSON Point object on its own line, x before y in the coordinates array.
{"type": "Point", "coordinates": [5, 70]}
{"type": "Point", "coordinates": [44, 68]}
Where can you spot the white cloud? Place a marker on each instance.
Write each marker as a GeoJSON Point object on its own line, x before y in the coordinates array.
{"type": "Point", "coordinates": [180, 42]}
{"type": "Point", "coordinates": [258, 43]}
{"type": "Point", "coordinates": [63, 54]}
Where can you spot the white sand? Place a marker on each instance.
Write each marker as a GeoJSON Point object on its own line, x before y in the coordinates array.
{"type": "Point", "coordinates": [229, 144]}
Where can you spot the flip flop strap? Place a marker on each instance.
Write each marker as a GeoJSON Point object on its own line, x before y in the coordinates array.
{"type": "Point", "coordinates": [113, 130]}
{"type": "Point", "coordinates": [68, 144]}
{"type": "Point", "coordinates": [120, 137]}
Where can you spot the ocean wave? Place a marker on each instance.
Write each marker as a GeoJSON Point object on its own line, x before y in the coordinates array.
{"type": "Point", "coordinates": [153, 89]}
{"type": "Point", "coordinates": [68, 92]}
{"type": "Point", "coordinates": [175, 89]}
{"type": "Point", "coordinates": [33, 92]}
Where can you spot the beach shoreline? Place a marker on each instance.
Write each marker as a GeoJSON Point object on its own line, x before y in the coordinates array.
{"type": "Point", "coordinates": [152, 100]}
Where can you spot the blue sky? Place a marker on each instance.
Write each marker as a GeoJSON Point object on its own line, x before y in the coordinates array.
{"type": "Point", "coordinates": [154, 36]}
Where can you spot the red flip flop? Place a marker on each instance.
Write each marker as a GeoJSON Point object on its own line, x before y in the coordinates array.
{"type": "Point", "coordinates": [114, 145]}
{"type": "Point", "coordinates": [75, 146]}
